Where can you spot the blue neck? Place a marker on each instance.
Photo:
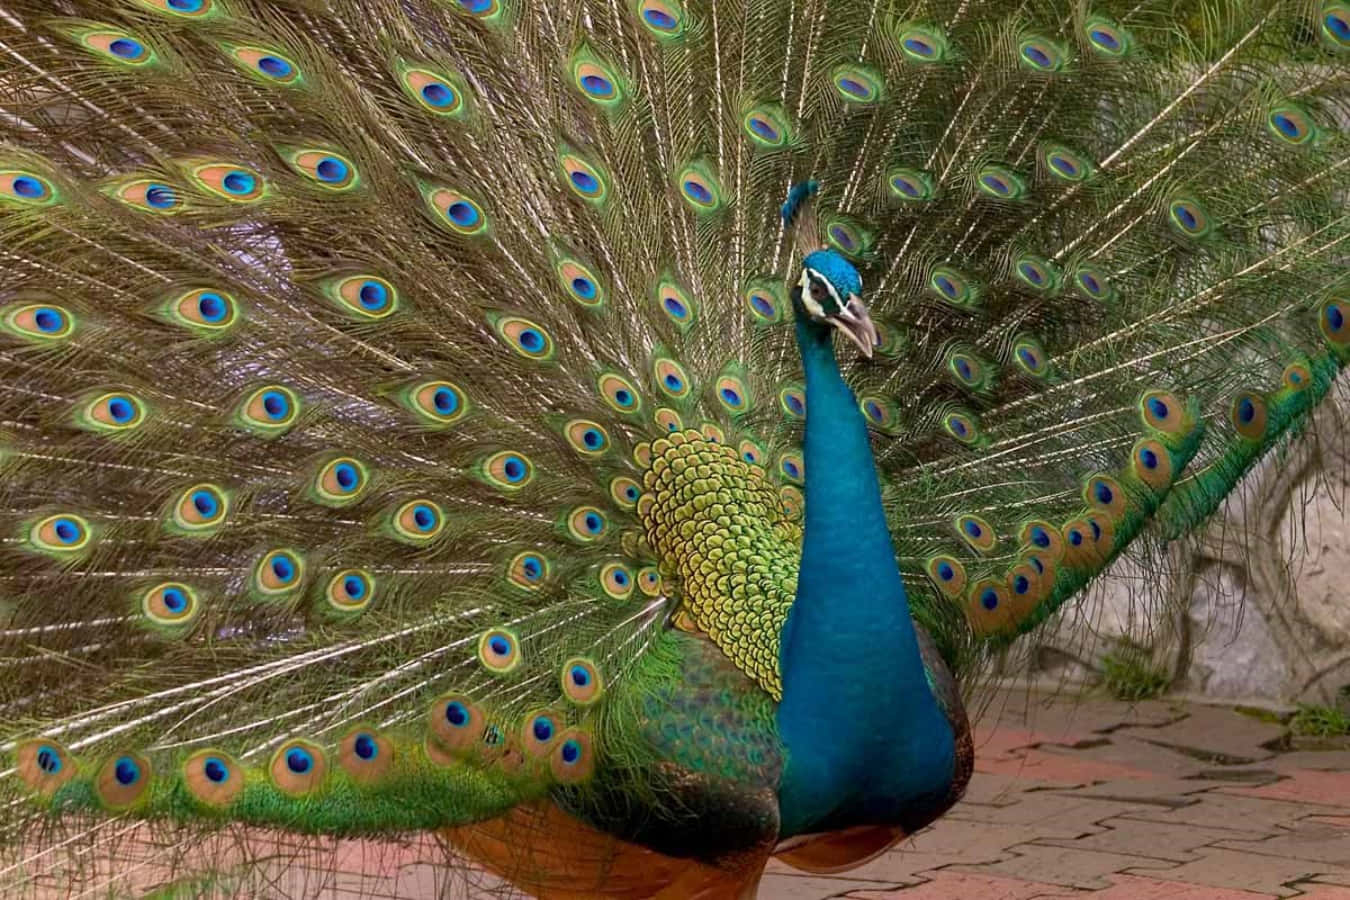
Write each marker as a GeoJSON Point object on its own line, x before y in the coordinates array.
{"type": "Point", "coordinates": [865, 737]}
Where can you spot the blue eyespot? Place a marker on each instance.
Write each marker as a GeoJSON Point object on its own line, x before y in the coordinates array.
{"type": "Point", "coordinates": [532, 567]}
{"type": "Point", "coordinates": [186, 5]}
{"type": "Point", "coordinates": [49, 320]}
{"type": "Point", "coordinates": [205, 502]}
{"type": "Point", "coordinates": [1040, 538]}
{"type": "Point", "coordinates": [126, 48]}
{"type": "Point", "coordinates": [68, 531]}
{"type": "Point", "coordinates": [160, 196]}
{"type": "Point", "coordinates": [945, 571]}
{"type": "Point", "coordinates": [457, 714]}
{"type": "Point", "coordinates": [1335, 317]}
{"type": "Point", "coordinates": [365, 747]}
{"type": "Point", "coordinates": [500, 645]}
{"type": "Point", "coordinates": [275, 66]}
{"type": "Point", "coordinates": [922, 48]}
{"type": "Point", "coordinates": [973, 528]}
{"type": "Point", "coordinates": [592, 522]}
{"type": "Point", "coordinates": [581, 676]}
{"type": "Point", "coordinates": [673, 382]}
{"type": "Point", "coordinates": [239, 182]}
{"type": "Point", "coordinates": [330, 170]}
{"type": "Point", "coordinates": [276, 405]}
{"type": "Point", "coordinates": [1158, 407]}
{"type": "Point", "coordinates": [445, 401]}
{"type": "Point", "coordinates": [27, 186]}
{"type": "Point", "coordinates": [989, 599]}
{"type": "Point", "coordinates": [438, 94]}
{"type": "Point", "coordinates": [571, 752]}
{"type": "Point", "coordinates": [1150, 459]}
{"type": "Point", "coordinates": [346, 475]}
{"type": "Point", "coordinates": [283, 568]}
{"type": "Point", "coordinates": [791, 468]}
{"type": "Point", "coordinates": [597, 85]}
{"type": "Point", "coordinates": [543, 729]}
{"type": "Point", "coordinates": [121, 409]}
{"type": "Point", "coordinates": [424, 517]}
{"type": "Point", "coordinates": [1103, 493]}
{"type": "Point", "coordinates": [49, 760]}
{"type": "Point", "coordinates": [659, 18]}
{"type": "Point", "coordinates": [1021, 584]}
{"type": "Point", "coordinates": [584, 181]}
{"type": "Point", "coordinates": [676, 308]}
{"type": "Point", "coordinates": [514, 469]}
{"type": "Point", "coordinates": [698, 191]}
{"type": "Point", "coordinates": [1246, 410]}
{"type": "Point", "coordinates": [215, 770]}
{"type": "Point", "coordinates": [584, 287]}
{"type": "Point", "coordinates": [462, 214]}
{"type": "Point", "coordinates": [354, 587]}
{"type": "Point", "coordinates": [175, 601]}
{"type": "Point", "coordinates": [126, 771]}
{"type": "Point", "coordinates": [299, 761]}
{"type": "Point", "coordinates": [531, 340]}
{"type": "Point", "coordinates": [212, 307]}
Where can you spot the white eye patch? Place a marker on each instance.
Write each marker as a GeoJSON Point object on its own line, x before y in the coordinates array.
{"type": "Point", "coordinates": [812, 307]}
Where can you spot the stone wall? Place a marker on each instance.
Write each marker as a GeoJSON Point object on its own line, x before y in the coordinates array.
{"type": "Point", "coordinates": [1255, 609]}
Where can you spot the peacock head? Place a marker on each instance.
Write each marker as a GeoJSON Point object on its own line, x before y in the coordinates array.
{"type": "Point", "coordinates": [831, 293]}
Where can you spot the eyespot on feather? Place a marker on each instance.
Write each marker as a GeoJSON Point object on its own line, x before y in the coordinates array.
{"type": "Point", "coordinates": [213, 778]}
{"type": "Point", "coordinates": [586, 524]}
{"type": "Point", "coordinates": [1249, 415]}
{"type": "Point", "coordinates": [792, 467]}
{"type": "Point", "coordinates": [1037, 273]}
{"type": "Point", "coordinates": [298, 767]}
{"type": "Point", "coordinates": [765, 302]}
{"type": "Point", "coordinates": [1335, 25]}
{"type": "Point", "coordinates": [364, 296]}
{"type": "Point", "coordinates": [456, 211]}
{"type": "Point", "coordinates": [148, 195]}
{"type": "Point", "coordinates": [1291, 124]}
{"type": "Point", "coordinates": [1188, 217]}
{"type": "Point", "coordinates": [1333, 316]}
{"type": "Point", "coordinates": [266, 65]}
{"type": "Point", "coordinates": [580, 283]}
{"type": "Point", "coordinates": [1296, 377]}
{"type": "Point", "coordinates": [922, 43]}
{"type": "Point", "coordinates": [228, 181]}
{"type": "Point", "coordinates": [456, 723]}
{"type": "Point", "coordinates": [1080, 542]}
{"type": "Point", "coordinates": [1106, 495]}
{"type": "Point", "coordinates": [26, 188]}
{"type": "Point", "coordinates": [597, 79]}
{"type": "Point", "coordinates": [199, 509]}
{"type": "Point", "coordinates": [751, 452]}
{"type": "Point", "coordinates": [1106, 37]}
{"type": "Point", "coordinates": [858, 84]}
{"type": "Point", "coordinates": [122, 780]}
{"type": "Point", "coordinates": [508, 470]}
{"type": "Point", "coordinates": [988, 609]}
{"type": "Point", "coordinates": [1030, 357]}
{"type": "Point", "coordinates": [118, 46]}
{"type": "Point", "coordinates": [112, 412]}
{"type": "Point", "coordinates": [1042, 537]}
{"type": "Point", "coordinates": [486, 10]}
{"type": "Point", "coordinates": [953, 287]}
{"type": "Point", "coordinates": [588, 438]}
{"type": "Point", "coordinates": [417, 522]}
{"type": "Point", "coordinates": [669, 421]}
{"type": "Point", "coordinates": [676, 303]}
{"type": "Point", "coordinates": [187, 9]}
{"type": "Point", "coordinates": [1163, 412]}
{"type": "Point", "coordinates": [663, 19]}
{"type": "Point", "coordinates": [624, 491]}
{"type": "Point", "coordinates": [499, 651]}
{"type": "Point", "coordinates": [436, 403]}
{"type": "Point", "coordinates": [585, 178]}
{"type": "Point", "coordinates": [732, 394]}
{"type": "Point", "coordinates": [278, 573]}
{"type": "Point", "coordinates": [339, 481]}
{"type": "Point", "coordinates": [712, 433]}
{"type": "Point", "coordinates": [792, 502]}
{"type": "Point", "coordinates": [699, 188]}
{"type": "Point", "coordinates": [649, 581]}
{"type": "Point", "coordinates": [911, 185]}
{"type": "Point", "coordinates": [525, 337]}
{"type": "Point", "coordinates": [961, 425]}
{"type": "Point", "coordinates": [616, 580]}
{"type": "Point", "coordinates": [1001, 183]}
{"type": "Point", "coordinates": [539, 732]}
{"type": "Point", "coordinates": [1092, 282]}
{"type": "Point", "coordinates": [170, 605]}
{"type": "Point", "coordinates": [792, 401]}
{"type": "Point", "coordinates": [439, 93]}
{"type": "Point", "coordinates": [529, 570]}
{"type": "Point", "coordinates": [670, 378]}
{"type": "Point", "coordinates": [365, 754]}
{"type": "Point", "coordinates": [44, 765]}
{"type": "Point", "coordinates": [968, 370]}
{"type": "Point", "coordinates": [619, 393]}
{"type": "Point", "coordinates": [1065, 164]}
{"type": "Point", "coordinates": [767, 127]}
{"type": "Point", "coordinates": [207, 311]}
{"type": "Point", "coordinates": [269, 410]}
{"type": "Point", "coordinates": [328, 169]}
{"type": "Point", "coordinates": [1152, 464]}
{"type": "Point", "coordinates": [60, 534]}
{"type": "Point", "coordinates": [39, 322]}
{"type": "Point", "coordinates": [976, 531]}
{"type": "Point", "coordinates": [350, 592]}
{"type": "Point", "coordinates": [1041, 54]}
{"type": "Point", "coordinates": [947, 573]}
{"type": "Point", "coordinates": [573, 757]}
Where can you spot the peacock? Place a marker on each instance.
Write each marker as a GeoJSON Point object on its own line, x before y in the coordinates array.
{"type": "Point", "coordinates": [616, 435]}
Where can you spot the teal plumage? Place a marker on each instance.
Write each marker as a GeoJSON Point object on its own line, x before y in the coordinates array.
{"type": "Point", "coordinates": [425, 415]}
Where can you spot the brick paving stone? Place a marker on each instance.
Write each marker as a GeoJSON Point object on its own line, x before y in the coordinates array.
{"type": "Point", "coordinates": [1306, 839]}
{"type": "Point", "coordinates": [1165, 792]}
{"type": "Point", "coordinates": [1069, 868]}
{"type": "Point", "coordinates": [1304, 786]}
{"type": "Point", "coordinates": [1220, 731]}
{"type": "Point", "coordinates": [1176, 843]}
{"type": "Point", "coordinates": [1135, 887]}
{"type": "Point", "coordinates": [989, 789]}
{"type": "Point", "coordinates": [1220, 809]}
{"type": "Point", "coordinates": [960, 886]}
{"type": "Point", "coordinates": [781, 885]}
{"type": "Point", "coordinates": [1068, 766]}
{"type": "Point", "coordinates": [1051, 814]}
{"type": "Point", "coordinates": [1246, 871]}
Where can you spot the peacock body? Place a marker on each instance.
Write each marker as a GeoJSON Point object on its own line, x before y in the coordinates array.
{"type": "Point", "coordinates": [410, 404]}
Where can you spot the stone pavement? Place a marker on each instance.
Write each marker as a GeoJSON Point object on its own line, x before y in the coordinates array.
{"type": "Point", "coordinates": [1089, 798]}
{"type": "Point", "coordinates": [1072, 797]}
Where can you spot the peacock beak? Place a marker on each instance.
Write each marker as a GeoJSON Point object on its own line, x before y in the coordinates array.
{"type": "Point", "coordinates": [856, 324]}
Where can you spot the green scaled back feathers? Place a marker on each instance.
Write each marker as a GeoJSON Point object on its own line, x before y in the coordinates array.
{"type": "Point", "coordinates": [383, 380]}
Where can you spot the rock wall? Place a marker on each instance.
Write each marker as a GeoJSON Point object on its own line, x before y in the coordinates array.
{"type": "Point", "coordinates": [1256, 608]}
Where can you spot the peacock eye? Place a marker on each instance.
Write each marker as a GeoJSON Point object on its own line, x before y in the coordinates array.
{"type": "Point", "coordinates": [818, 291]}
